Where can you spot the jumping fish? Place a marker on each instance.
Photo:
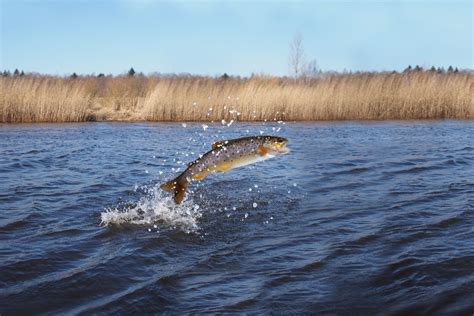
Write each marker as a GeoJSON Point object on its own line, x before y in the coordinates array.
{"type": "Point", "coordinates": [224, 156]}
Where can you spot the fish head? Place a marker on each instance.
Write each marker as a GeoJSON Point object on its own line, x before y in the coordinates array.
{"type": "Point", "coordinates": [276, 145]}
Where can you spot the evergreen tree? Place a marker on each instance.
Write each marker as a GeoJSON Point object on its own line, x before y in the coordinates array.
{"type": "Point", "coordinates": [433, 69]}
{"type": "Point", "coordinates": [74, 75]}
{"type": "Point", "coordinates": [450, 69]}
{"type": "Point", "coordinates": [16, 72]}
{"type": "Point", "coordinates": [131, 72]}
{"type": "Point", "coordinates": [22, 73]}
{"type": "Point", "coordinates": [225, 76]}
{"type": "Point", "coordinates": [408, 69]}
{"type": "Point", "coordinates": [100, 75]}
{"type": "Point", "coordinates": [456, 70]}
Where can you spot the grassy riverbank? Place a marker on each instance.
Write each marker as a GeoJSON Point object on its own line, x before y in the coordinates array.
{"type": "Point", "coordinates": [362, 96]}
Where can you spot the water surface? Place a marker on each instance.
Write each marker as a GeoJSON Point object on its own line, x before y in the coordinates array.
{"type": "Point", "coordinates": [361, 217]}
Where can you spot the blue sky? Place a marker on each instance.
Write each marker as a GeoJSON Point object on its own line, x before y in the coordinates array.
{"type": "Point", "coordinates": [237, 37]}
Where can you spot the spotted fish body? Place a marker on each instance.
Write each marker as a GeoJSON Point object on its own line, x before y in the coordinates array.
{"type": "Point", "coordinates": [224, 156]}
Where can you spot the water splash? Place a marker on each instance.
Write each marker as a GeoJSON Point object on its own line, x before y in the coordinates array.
{"type": "Point", "coordinates": [155, 208]}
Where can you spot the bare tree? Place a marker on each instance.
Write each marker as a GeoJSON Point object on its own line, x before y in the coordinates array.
{"type": "Point", "coordinates": [296, 59]}
{"type": "Point", "coordinates": [311, 69]}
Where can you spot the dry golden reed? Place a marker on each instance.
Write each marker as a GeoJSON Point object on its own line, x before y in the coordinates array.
{"type": "Point", "coordinates": [42, 100]}
{"type": "Point", "coordinates": [363, 96]}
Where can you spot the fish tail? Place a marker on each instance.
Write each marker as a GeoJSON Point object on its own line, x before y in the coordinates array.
{"type": "Point", "coordinates": [177, 186]}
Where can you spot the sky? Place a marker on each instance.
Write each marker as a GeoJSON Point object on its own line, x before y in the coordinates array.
{"type": "Point", "coordinates": [237, 37]}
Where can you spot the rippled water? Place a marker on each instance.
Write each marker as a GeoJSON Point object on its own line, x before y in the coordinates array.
{"type": "Point", "coordinates": [359, 218]}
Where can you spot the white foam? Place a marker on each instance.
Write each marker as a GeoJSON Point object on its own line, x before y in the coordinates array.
{"type": "Point", "coordinates": [157, 207]}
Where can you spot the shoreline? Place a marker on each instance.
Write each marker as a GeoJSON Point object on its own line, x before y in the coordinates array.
{"type": "Point", "coordinates": [434, 120]}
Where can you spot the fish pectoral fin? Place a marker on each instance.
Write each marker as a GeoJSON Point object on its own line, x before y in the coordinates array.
{"type": "Point", "coordinates": [218, 144]}
{"type": "Point", "coordinates": [261, 150]}
{"type": "Point", "coordinates": [223, 167]}
{"type": "Point", "coordinates": [199, 176]}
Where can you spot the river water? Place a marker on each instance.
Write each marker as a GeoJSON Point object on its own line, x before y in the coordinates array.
{"type": "Point", "coordinates": [359, 218]}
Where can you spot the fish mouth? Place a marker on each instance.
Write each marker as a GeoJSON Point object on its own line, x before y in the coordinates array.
{"type": "Point", "coordinates": [282, 149]}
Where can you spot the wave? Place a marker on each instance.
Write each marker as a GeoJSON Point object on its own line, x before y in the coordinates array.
{"type": "Point", "coordinates": [156, 207]}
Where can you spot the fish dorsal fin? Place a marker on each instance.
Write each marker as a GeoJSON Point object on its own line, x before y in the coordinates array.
{"type": "Point", "coordinates": [219, 143]}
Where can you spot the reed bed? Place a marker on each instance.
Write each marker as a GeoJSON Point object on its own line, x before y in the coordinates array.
{"type": "Point", "coordinates": [33, 99]}
{"type": "Point", "coordinates": [362, 96]}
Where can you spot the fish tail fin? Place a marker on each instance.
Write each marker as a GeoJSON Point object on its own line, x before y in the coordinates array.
{"type": "Point", "coordinates": [177, 186]}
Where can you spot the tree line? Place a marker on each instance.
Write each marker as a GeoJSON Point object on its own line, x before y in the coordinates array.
{"type": "Point", "coordinates": [300, 67]}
